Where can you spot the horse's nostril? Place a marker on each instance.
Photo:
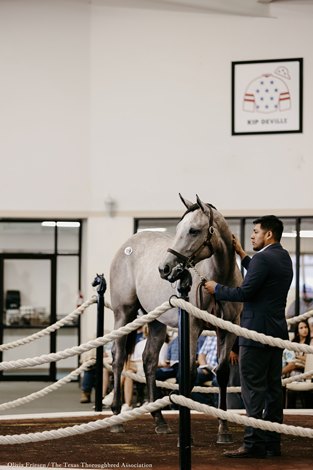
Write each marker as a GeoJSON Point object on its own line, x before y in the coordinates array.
{"type": "Point", "coordinates": [164, 271]}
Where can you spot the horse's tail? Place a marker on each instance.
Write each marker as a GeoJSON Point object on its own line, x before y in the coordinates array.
{"type": "Point", "coordinates": [131, 342]}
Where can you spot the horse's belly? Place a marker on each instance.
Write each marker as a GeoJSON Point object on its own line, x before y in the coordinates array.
{"type": "Point", "coordinates": [153, 294]}
{"type": "Point", "coordinates": [169, 318]}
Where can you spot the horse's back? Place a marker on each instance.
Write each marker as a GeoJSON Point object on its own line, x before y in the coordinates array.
{"type": "Point", "coordinates": [134, 273]}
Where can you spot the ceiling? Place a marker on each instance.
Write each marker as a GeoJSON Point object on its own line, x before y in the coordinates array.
{"type": "Point", "coordinates": [260, 8]}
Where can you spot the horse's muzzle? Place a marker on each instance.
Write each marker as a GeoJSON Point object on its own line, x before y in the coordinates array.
{"type": "Point", "coordinates": [171, 274]}
{"type": "Point", "coordinates": [164, 271]}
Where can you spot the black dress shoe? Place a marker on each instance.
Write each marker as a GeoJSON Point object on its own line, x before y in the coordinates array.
{"type": "Point", "coordinates": [273, 452]}
{"type": "Point", "coordinates": [243, 453]}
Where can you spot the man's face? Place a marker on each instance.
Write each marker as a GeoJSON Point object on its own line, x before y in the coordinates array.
{"type": "Point", "coordinates": [259, 238]}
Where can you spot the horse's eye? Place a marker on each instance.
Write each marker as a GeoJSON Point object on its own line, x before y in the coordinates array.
{"type": "Point", "coordinates": [194, 231]}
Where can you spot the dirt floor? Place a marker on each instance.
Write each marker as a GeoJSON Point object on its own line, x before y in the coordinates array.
{"type": "Point", "coordinates": [141, 447]}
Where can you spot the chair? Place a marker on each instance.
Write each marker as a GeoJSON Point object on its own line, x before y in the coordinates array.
{"type": "Point", "coordinates": [304, 386]}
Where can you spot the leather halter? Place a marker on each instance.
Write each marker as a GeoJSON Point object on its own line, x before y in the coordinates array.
{"type": "Point", "coordinates": [190, 261]}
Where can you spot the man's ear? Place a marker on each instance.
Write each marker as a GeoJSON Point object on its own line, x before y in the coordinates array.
{"type": "Point", "coordinates": [269, 234]}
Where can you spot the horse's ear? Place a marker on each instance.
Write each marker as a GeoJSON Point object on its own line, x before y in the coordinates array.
{"type": "Point", "coordinates": [201, 204]}
{"type": "Point", "coordinates": [186, 203]}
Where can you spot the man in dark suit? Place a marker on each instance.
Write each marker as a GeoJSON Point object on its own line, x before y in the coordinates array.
{"type": "Point", "coordinates": [264, 293]}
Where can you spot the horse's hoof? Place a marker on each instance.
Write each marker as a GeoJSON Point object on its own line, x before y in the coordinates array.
{"type": "Point", "coordinates": [224, 438]}
{"type": "Point", "coordinates": [117, 428]}
{"type": "Point", "coordinates": [163, 429]}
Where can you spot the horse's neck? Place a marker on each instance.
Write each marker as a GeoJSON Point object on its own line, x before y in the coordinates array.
{"type": "Point", "coordinates": [224, 261]}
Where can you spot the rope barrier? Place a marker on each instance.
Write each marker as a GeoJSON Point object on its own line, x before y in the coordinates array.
{"type": "Point", "coordinates": [52, 357]}
{"type": "Point", "coordinates": [46, 390]}
{"type": "Point", "coordinates": [298, 318]}
{"type": "Point", "coordinates": [170, 386]}
{"type": "Point", "coordinates": [240, 419]}
{"type": "Point", "coordinates": [87, 427]}
{"type": "Point", "coordinates": [203, 315]}
{"type": "Point", "coordinates": [50, 329]}
{"type": "Point", "coordinates": [158, 404]}
{"type": "Point", "coordinates": [238, 330]}
{"type": "Point", "coordinates": [149, 408]}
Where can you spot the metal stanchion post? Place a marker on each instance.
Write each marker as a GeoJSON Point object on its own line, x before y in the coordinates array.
{"type": "Point", "coordinates": [184, 375]}
{"type": "Point", "coordinates": [99, 281]}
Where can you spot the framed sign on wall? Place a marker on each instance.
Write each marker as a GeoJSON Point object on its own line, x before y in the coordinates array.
{"type": "Point", "coordinates": [267, 96]}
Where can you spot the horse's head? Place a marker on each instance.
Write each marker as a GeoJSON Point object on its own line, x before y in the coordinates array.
{"type": "Point", "coordinates": [193, 242]}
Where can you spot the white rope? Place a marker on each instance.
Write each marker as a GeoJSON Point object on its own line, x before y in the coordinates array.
{"type": "Point", "coordinates": [64, 432]}
{"type": "Point", "coordinates": [170, 386]}
{"type": "Point", "coordinates": [87, 427]}
{"type": "Point", "coordinates": [52, 357]}
{"type": "Point", "coordinates": [298, 318]}
{"type": "Point", "coordinates": [238, 330]}
{"type": "Point", "coordinates": [204, 315]}
{"type": "Point", "coordinates": [149, 408]}
{"type": "Point", "coordinates": [50, 329]}
{"type": "Point", "coordinates": [46, 390]}
{"type": "Point", "coordinates": [298, 377]}
{"type": "Point", "coordinates": [244, 420]}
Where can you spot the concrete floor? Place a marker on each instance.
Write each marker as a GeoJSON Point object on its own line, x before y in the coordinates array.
{"type": "Point", "coordinates": [64, 400]}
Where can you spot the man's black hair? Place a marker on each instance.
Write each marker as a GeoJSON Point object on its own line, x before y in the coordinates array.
{"type": "Point", "coordinates": [272, 223]}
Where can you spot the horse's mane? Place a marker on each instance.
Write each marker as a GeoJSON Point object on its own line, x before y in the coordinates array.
{"type": "Point", "coordinates": [196, 206]}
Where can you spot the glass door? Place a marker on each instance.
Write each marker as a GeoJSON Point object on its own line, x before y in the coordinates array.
{"type": "Point", "coordinates": [28, 293]}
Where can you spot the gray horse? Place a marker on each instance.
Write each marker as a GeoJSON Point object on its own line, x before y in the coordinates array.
{"type": "Point", "coordinates": [139, 281]}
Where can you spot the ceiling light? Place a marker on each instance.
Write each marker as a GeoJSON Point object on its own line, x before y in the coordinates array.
{"type": "Point", "coordinates": [60, 223]}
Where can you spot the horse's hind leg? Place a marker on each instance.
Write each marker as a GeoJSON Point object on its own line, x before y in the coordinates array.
{"type": "Point", "coordinates": [157, 333]}
{"type": "Point", "coordinates": [119, 353]}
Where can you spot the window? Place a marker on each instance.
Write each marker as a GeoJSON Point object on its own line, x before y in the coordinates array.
{"type": "Point", "coordinates": [40, 262]}
{"type": "Point", "coordinates": [297, 239]}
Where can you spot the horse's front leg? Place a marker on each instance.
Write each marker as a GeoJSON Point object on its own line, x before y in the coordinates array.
{"type": "Point", "coordinates": [222, 374]}
{"type": "Point", "coordinates": [156, 337]}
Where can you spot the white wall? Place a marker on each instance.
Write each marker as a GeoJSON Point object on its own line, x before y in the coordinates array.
{"type": "Point", "coordinates": [44, 96]}
{"type": "Point", "coordinates": [101, 99]}
{"type": "Point", "coordinates": [103, 236]}
{"type": "Point", "coordinates": [161, 109]}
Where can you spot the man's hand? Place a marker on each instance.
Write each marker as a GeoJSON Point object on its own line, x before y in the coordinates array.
{"type": "Point", "coordinates": [210, 286]}
{"type": "Point", "coordinates": [237, 246]}
{"type": "Point", "coordinates": [233, 358]}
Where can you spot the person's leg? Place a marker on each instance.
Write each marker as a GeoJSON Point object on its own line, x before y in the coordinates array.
{"type": "Point", "coordinates": [164, 373]}
{"type": "Point", "coordinates": [87, 385]}
{"type": "Point", "coordinates": [253, 378]}
{"type": "Point", "coordinates": [273, 410]}
{"type": "Point", "coordinates": [129, 385]}
{"type": "Point", "coordinates": [234, 400]}
{"type": "Point", "coordinates": [106, 379]}
{"type": "Point", "coordinates": [128, 391]}
{"type": "Point", "coordinates": [202, 377]}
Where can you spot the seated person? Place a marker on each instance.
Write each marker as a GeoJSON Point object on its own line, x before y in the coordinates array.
{"type": "Point", "coordinates": [294, 362]}
{"type": "Point", "coordinates": [170, 368]}
{"type": "Point", "coordinates": [135, 365]}
{"type": "Point", "coordinates": [207, 360]}
{"type": "Point", "coordinates": [234, 400]}
{"type": "Point", "coordinates": [89, 376]}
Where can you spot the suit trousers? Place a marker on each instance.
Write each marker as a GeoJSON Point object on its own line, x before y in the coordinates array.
{"type": "Point", "coordinates": [262, 393]}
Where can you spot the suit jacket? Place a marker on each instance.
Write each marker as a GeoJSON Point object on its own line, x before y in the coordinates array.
{"type": "Point", "coordinates": [263, 292]}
